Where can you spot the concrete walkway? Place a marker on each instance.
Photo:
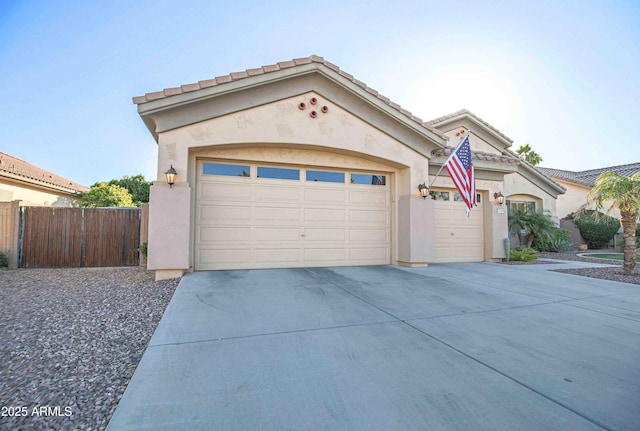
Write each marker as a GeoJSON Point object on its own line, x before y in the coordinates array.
{"type": "Point", "coordinates": [474, 346]}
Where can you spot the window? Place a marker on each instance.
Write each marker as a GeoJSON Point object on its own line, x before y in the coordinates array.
{"type": "Point", "coordinates": [225, 170]}
{"type": "Point", "coordinates": [439, 196]}
{"type": "Point", "coordinates": [325, 176]}
{"type": "Point", "coordinates": [278, 173]}
{"type": "Point", "coordinates": [457, 197]}
{"type": "Point", "coordinates": [528, 207]}
{"type": "Point", "coordinates": [372, 180]}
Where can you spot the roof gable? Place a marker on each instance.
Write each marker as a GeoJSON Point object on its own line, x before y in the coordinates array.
{"type": "Point", "coordinates": [298, 76]}
{"type": "Point", "coordinates": [19, 170]}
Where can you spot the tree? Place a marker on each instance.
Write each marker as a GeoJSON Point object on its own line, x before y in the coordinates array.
{"type": "Point", "coordinates": [623, 193]}
{"type": "Point", "coordinates": [106, 195]}
{"type": "Point", "coordinates": [137, 186]}
{"type": "Point", "coordinates": [530, 226]}
{"type": "Point", "coordinates": [527, 153]}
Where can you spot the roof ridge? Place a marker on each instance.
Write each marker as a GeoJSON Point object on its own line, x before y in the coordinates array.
{"type": "Point", "coordinates": [465, 111]}
{"type": "Point", "coordinates": [236, 76]}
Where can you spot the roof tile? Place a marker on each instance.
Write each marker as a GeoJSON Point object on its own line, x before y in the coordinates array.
{"type": "Point", "coordinates": [256, 71]}
{"type": "Point", "coordinates": [172, 91]}
{"type": "Point", "coordinates": [299, 61]}
{"type": "Point", "coordinates": [207, 83]}
{"type": "Point", "coordinates": [239, 75]}
{"type": "Point", "coordinates": [286, 64]}
{"type": "Point", "coordinates": [223, 79]}
{"type": "Point", "coordinates": [155, 95]}
{"type": "Point", "coordinates": [20, 168]}
{"type": "Point", "coordinates": [190, 87]}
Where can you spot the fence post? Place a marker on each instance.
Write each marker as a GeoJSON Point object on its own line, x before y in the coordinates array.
{"type": "Point", "coordinates": [144, 232]}
{"type": "Point", "coordinates": [9, 231]}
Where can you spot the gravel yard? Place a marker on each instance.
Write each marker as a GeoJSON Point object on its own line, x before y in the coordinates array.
{"type": "Point", "coordinates": [614, 274]}
{"type": "Point", "coordinates": [71, 340]}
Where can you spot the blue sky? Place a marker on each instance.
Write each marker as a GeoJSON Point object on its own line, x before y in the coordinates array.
{"type": "Point", "coordinates": [562, 76]}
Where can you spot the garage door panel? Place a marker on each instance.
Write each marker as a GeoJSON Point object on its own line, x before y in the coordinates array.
{"type": "Point", "coordinates": [277, 255]}
{"type": "Point", "coordinates": [277, 216]}
{"type": "Point", "coordinates": [325, 215]}
{"type": "Point", "coordinates": [225, 214]}
{"type": "Point", "coordinates": [324, 196]}
{"type": "Point", "coordinates": [329, 256]}
{"type": "Point", "coordinates": [281, 194]}
{"type": "Point", "coordinates": [364, 217]}
{"type": "Point", "coordinates": [324, 234]}
{"type": "Point", "coordinates": [225, 191]}
{"type": "Point", "coordinates": [224, 234]}
{"type": "Point", "coordinates": [369, 235]}
{"type": "Point", "coordinates": [362, 197]}
{"type": "Point", "coordinates": [222, 256]}
{"type": "Point", "coordinates": [369, 254]}
{"type": "Point", "coordinates": [263, 234]}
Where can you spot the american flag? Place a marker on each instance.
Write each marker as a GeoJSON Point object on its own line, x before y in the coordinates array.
{"type": "Point", "coordinates": [460, 168]}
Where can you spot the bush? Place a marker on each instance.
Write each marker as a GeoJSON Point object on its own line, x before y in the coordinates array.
{"type": "Point", "coordinates": [523, 254]}
{"type": "Point", "coordinates": [3, 260]}
{"type": "Point", "coordinates": [558, 241]}
{"type": "Point", "coordinates": [597, 229]}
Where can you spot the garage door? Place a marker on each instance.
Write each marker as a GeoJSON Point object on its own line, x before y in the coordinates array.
{"type": "Point", "coordinates": [458, 238]}
{"type": "Point", "coordinates": [252, 215]}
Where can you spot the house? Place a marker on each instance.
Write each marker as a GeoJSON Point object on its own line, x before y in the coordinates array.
{"type": "Point", "coordinates": [579, 184]}
{"type": "Point", "coordinates": [22, 181]}
{"type": "Point", "coordinates": [300, 164]}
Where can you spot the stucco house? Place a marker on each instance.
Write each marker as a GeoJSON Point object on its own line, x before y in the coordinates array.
{"type": "Point", "coordinates": [579, 184]}
{"type": "Point", "coordinates": [22, 181]}
{"type": "Point", "coordinates": [300, 164]}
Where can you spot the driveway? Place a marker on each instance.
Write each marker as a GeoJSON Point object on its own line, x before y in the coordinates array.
{"type": "Point", "coordinates": [475, 346]}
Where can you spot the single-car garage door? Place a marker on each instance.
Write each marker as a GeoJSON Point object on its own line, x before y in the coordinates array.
{"type": "Point", "coordinates": [252, 215]}
{"type": "Point", "coordinates": [458, 238]}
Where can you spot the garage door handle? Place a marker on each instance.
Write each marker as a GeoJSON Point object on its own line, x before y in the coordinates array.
{"type": "Point", "coordinates": [303, 235]}
{"type": "Point", "coordinates": [452, 234]}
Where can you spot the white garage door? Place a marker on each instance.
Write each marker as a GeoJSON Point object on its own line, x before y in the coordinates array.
{"type": "Point", "coordinates": [458, 238]}
{"type": "Point", "coordinates": [252, 215]}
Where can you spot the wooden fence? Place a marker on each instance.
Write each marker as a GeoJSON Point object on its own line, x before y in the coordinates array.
{"type": "Point", "coordinates": [78, 237]}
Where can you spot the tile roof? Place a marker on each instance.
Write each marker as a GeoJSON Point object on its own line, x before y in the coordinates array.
{"type": "Point", "coordinates": [589, 177]}
{"type": "Point", "coordinates": [480, 155]}
{"type": "Point", "coordinates": [237, 76]}
{"type": "Point", "coordinates": [14, 167]}
{"type": "Point", "coordinates": [462, 112]}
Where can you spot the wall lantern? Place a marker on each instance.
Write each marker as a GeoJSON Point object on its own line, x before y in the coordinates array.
{"type": "Point", "coordinates": [171, 176]}
{"type": "Point", "coordinates": [424, 190]}
{"type": "Point", "coordinates": [499, 197]}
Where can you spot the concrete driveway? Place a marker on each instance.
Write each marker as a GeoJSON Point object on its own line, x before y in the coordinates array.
{"type": "Point", "coordinates": [450, 347]}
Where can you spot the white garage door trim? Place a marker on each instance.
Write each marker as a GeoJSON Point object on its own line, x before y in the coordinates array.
{"type": "Point", "coordinates": [458, 238]}
{"type": "Point", "coordinates": [246, 220]}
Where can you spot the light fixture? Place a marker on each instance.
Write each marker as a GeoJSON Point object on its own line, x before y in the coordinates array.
{"type": "Point", "coordinates": [424, 190]}
{"type": "Point", "coordinates": [499, 197]}
{"type": "Point", "coordinates": [171, 176]}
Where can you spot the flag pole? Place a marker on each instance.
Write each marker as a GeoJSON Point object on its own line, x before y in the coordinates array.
{"type": "Point", "coordinates": [452, 153]}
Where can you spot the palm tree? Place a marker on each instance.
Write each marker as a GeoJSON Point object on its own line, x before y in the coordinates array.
{"type": "Point", "coordinates": [624, 195]}
{"type": "Point", "coordinates": [529, 226]}
{"type": "Point", "coordinates": [527, 153]}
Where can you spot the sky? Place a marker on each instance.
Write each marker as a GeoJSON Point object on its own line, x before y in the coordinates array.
{"type": "Point", "coordinates": [559, 75]}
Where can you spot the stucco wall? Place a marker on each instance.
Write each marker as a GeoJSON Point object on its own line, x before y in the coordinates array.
{"type": "Point", "coordinates": [31, 195]}
{"type": "Point", "coordinates": [574, 198]}
{"type": "Point", "coordinates": [516, 184]}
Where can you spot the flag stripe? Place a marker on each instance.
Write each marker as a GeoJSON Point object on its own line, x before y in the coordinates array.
{"type": "Point", "coordinates": [460, 168]}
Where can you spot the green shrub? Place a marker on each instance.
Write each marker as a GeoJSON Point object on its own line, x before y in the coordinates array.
{"type": "Point", "coordinates": [597, 229]}
{"type": "Point", "coordinates": [3, 260]}
{"type": "Point", "coordinates": [558, 241]}
{"type": "Point", "coordinates": [144, 249]}
{"type": "Point", "coordinates": [523, 254]}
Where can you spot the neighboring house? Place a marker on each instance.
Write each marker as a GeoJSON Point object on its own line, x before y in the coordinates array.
{"type": "Point", "coordinates": [299, 164]}
{"type": "Point", "coordinates": [579, 184]}
{"type": "Point", "coordinates": [22, 181]}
